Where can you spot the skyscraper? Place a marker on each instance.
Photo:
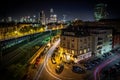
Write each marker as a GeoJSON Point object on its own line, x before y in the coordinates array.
{"type": "Point", "coordinates": [100, 11]}
{"type": "Point", "coordinates": [9, 19]}
{"type": "Point", "coordinates": [42, 17]}
{"type": "Point", "coordinates": [53, 17]}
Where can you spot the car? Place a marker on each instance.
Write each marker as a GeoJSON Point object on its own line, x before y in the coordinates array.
{"type": "Point", "coordinates": [98, 60]}
{"type": "Point", "coordinates": [117, 65]}
{"type": "Point", "coordinates": [118, 50]}
{"type": "Point", "coordinates": [53, 55]}
{"type": "Point", "coordinates": [112, 51]}
{"type": "Point", "coordinates": [88, 67]}
{"type": "Point", "coordinates": [78, 69]}
{"type": "Point", "coordinates": [93, 63]}
{"type": "Point", "coordinates": [59, 68]}
{"type": "Point", "coordinates": [53, 60]}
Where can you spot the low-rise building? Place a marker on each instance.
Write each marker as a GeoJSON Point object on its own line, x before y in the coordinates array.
{"type": "Point", "coordinates": [76, 43]}
{"type": "Point", "coordinates": [83, 42]}
{"type": "Point", "coordinates": [101, 40]}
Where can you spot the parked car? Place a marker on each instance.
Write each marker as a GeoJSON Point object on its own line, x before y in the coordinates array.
{"type": "Point", "coordinates": [78, 69]}
{"type": "Point", "coordinates": [59, 68]}
{"type": "Point", "coordinates": [88, 67]}
{"type": "Point", "coordinates": [53, 60]}
{"type": "Point", "coordinates": [117, 64]}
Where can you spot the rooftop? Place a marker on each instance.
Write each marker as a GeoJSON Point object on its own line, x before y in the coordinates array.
{"type": "Point", "coordinates": [76, 31]}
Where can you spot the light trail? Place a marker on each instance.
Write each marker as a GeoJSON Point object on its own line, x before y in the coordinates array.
{"type": "Point", "coordinates": [40, 70]}
{"type": "Point", "coordinates": [104, 64]}
{"type": "Point", "coordinates": [47, 68]}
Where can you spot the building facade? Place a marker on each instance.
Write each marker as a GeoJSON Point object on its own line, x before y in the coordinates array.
{"type": "Point", "coordinates": [42, 18]}
{"type": "Point", "coordinates": [76, 43]}
{"type": "Point", "coordinates": [84, 42]}
{"type": "Point", "coordinates": [101, 41]}
{"type": "Point", "coordinates": [53, 17]}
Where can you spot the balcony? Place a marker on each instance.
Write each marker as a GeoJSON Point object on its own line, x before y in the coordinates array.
{"type": "Point", "coordinates": [99, 48]}
{"type": "Point", "coordinates": [100, 38]}
{"type": "Point", "coordinates": [99, 43]}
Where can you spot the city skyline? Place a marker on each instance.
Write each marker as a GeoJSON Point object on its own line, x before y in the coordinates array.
{"type": "Point", "coordinates": [83, 9]}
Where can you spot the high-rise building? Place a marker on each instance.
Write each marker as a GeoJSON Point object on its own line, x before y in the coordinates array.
{"type": "Point", "coordinates": [53, 17]}
{"type": "Point", "coordinates": [42, 18]}
{"type": "Point", "coordinates": [9, 19]}
{"type": "Point", "coordinates": [100, 11]}
{"type": "Point", "coordinates": [51, 11]}
{"type": "Point", "coordinates": [64, 18]}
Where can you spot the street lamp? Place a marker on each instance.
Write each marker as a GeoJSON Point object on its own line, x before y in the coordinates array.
{"type": "Point", "coordinates": [16, 33]}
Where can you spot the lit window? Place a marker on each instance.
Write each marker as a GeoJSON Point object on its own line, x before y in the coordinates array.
{"type": "Point", "coordinates": [98, 46]}
{"type": "Point", "coordinates": [110, 35]}
{"type": "Point", "coordinates": [85, 50]}
{"type": "Point", "coordinates": [80, 51]}
{"type": "Point", "coordinates": [88, 49]}
{"type": "Point", "coordinates": [73, 52]}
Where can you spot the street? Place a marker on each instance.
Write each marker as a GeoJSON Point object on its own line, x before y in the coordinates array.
{"type": "Point", "coordinates": [48, 54]}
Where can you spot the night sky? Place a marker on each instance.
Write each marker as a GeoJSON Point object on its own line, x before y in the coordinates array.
{"type": "Point", "coordinates": [81, 9]}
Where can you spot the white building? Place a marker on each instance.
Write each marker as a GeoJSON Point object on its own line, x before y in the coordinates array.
{"type": "Point", "coordinates": [102, 41]}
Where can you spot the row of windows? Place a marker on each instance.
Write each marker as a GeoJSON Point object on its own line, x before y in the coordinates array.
{"type": "Point", "coordinates": [73, 45]}
{"type": "Point", "coordinates": [83, 51]}
{"type": "Point", "coordinates": [81, 40]}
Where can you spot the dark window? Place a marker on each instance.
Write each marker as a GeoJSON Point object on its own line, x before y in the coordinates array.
{"type": "Point", "coordinates": [72, 40]}
{"type": "Point", "coordinates": [68, 45]}
{"type": "Point", "coordinates": [85, 40]}
{"type": "Point", "coordinates": [80, 46]}
{"type": "Point", "coordinates": [63, 44]}
{"type": "Point", "coordinates": [80, 40]}
{"type": "Point", "coordinates": [89, 45]}
{"type": "Point", "coordinates": [64, 38]}
{"type": "Point", "coordinates": [72, 45]}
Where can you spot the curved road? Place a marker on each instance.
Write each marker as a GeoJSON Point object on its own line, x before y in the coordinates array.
{"type": "Point", "coordinates": [47, 56]}
{"type": "Point", "coordinates": [103, 65]}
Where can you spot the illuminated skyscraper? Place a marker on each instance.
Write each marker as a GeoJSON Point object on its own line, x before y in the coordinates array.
{"type": "Point", "coordinates": [53, 17]}
{"type": "Point", "coordinates": [100, 11]}
{"type": "Point", "coordinates": [51, 11]}
{"type": "Point", "coordinates": [42, 17]}
{"type": "Point", "coordinates": [9, 19]}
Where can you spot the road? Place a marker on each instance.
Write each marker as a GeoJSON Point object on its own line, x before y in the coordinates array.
{"type": "Point", "coordinates": [42, 67]}
{"type": "Point", "coordinates": [46, 71]}
{"type": "Point", "coordinates": [103, 65]}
